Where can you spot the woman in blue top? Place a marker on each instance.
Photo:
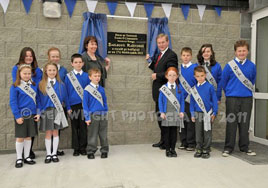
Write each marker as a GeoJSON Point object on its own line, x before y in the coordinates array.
{"type": "Point", "coordinates": [206, 57]}
{"type": "Point", "coordinates": [27, 56]}
{"type": "Point", "coordinates": [23, 106]}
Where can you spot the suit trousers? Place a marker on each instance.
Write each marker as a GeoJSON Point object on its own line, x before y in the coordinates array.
{"type": "Point", "coordinates": [97, 128]}
{"type": "Point", "coordinates": [203, 138]}
{"type": "Point", "coordinates": [238, 113]}
{"type": "Point", "coordinates": [79, 128]}
{"type": "Point", "coordinates": [159, 121]}
{"type": "Point", "coordinates": [187, 134]}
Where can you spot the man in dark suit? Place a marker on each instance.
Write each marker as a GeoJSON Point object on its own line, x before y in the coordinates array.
{"type": "Point", "coordinates": [160, 63]}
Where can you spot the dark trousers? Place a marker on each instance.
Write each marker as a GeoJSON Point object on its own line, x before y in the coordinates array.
{"type": "Point", "coordinates": [203, 138]}
{"type": "Point", "coordinates": [79, 128]}
{"type": "Point", "coordinates": [170, 137]}
{"type": "Point", "coordinates": [187, 134]}
{"type": "Point", "coordinates": [238, 113]}
{"type": "Point", "coordinates": [159, 121]}
{"type": "Point", "coordinates": [97, 128]}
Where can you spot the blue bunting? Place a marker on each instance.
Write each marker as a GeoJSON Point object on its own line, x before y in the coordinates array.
{"type": "Point", "coordinates": [185, 10]}
{"type": "Point", "coordinates": [149, 9]}
{"type": "Point", "coordinates": [27, 5]}
{"type": "Point", "coordinates": [112, 7]}
{"type": "Point", "coordinates": [70, 4]}
{"type": "Point", "coordinates": [218, 10]}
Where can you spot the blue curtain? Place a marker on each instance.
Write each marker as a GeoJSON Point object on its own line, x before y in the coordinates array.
{"type": "Point", "coordinates": [95, 25]}
{"type": "Point", "coordinates": [155, 27]}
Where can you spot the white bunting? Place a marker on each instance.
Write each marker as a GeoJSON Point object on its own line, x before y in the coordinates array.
{"type": "Point", "coordinates": [91, 5]}
{"type": "Point", "coordinates": [4, 4]}
{"type": "Point", "coordinates": [167, 9]}
{"type": "Point", "coordinates": [201, 10]}
{"type": "Point", "coordinates": [131, 7]}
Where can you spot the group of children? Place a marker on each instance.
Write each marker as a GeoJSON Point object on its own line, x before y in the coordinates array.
{"type": "Point", "coordinates": [46, 96]}
{"type": "Point", "coordinates": [192, 105]}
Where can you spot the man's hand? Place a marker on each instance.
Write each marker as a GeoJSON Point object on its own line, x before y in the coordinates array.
{"type": "Point", "coordinates": [154, 76]}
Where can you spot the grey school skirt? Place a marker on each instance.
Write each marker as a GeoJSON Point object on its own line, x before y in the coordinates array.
{"type": "Point", "coordinates": [47, 120]}
{"type": "Point", "coordinates": [172, 119]}
{"type": "Point", "coordinates": [27, 129]}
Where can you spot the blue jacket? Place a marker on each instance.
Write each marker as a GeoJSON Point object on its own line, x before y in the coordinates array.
{"type": "Point", "coordinates": [208, 95]}
{"type": "Point", "coordinates": [60, 90]}
{"type": "Point", "coordinates": [162, 101]}
{"type": "Point", "coordinates": [92, 105]}
{"type": "Point", "coordinates": [231, 84]}
{"type": "Point", "coordinates": [37, 78]}
{"type": "Point", "coordinates": [22, 104]}
{"type": "Point", "coordinates": [72, 94]}
{"type": "Point", "coordinates": [188, 74]}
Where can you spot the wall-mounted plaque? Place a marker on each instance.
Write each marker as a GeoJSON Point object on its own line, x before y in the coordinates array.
{"type": "Point", "coordinates": [126, 44]}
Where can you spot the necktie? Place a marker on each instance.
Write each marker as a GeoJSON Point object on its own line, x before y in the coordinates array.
{"type": "Point", "coordinates": [207, 64]}
{"type": "Point", "coordinates": [241, 62]}
{"type": "Point", "coordinates": [78, 74]}
{"type": "Point", "coordinates": [52, 83]}
{"type": "Point", "coordinates": [96, 87]}
{"type": "Point", "coordinates": [172, 86]}
{"type": "Point", "coordinates": [185, 66]}
{"type": "Point", "coordinates": [158, 59]}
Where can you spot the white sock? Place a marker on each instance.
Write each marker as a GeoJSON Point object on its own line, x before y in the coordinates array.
{"type": "Point", "coordinates": [55, 145]}
{"type": "Point", "coordinates": [27, 147]}
{"type": "Point", "coordinates": [48, 146]}
{"type": "Point", "coordinates": [19, 148]}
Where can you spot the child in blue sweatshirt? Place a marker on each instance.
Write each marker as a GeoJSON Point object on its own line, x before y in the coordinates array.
{"type": "Point", "coordinates": [95, 111]}
{"type": "Point", "coordinates": [171, 107]}
{"type": "Point", "coordinates": [52, 93]}
{"type": "Point", "coordinates": [75, 83]}
{"type": "Point", "coordinates": [206, 58]}
{"type": "Point", "coordinates": [23, 105]}
{"type": "Point", "coordinates": [204, 108]}
{"type": "Point", "coordinates": [186, 78]}
{"type": "Point", "coordinates": [238, 78]}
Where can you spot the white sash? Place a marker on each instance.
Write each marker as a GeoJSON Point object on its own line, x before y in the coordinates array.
{"type": "Point", "coordinates": [173, 99]}
{"type": "Point", "coordinates": [210, 78]}
{"type": "Point", "coordinates": [186, 87]}
{"type": "Point", "coordinates": [95, 93]}
{"type": "Point", "coordinates": [28, 90]}
{"type": "Point", "coordinates": [241, 77]}
{"type": "Point", "coordinates": [60, 117]}
{"type": "Point", "coordinates": [75, 83]}
{"type": "Point", "coordinates": [199, 101]}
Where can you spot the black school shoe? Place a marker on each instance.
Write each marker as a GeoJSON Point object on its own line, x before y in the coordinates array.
{"type": "Point", "coordinates": [55, 158]}
{"type": "Point", "coordinates": [205, 155]}
{"type": "Point", "coordinates": [83, 152]}
{"type": "Point", "coordinates": [60, 153]}
{"type": "Point", "coordinates": [104, 155]}
{"type": "Point", "coordinates": [19, 163]}
{"type": "Point", "coordinates": [29, 161]}
{"type": "Point", "coordinates": [48, 159]}
{"type": "Point", "coordinates": [90, 156]}
{"type": "Point", "coordinates": [76, 153]}
{"type": "Point", "coordinates": [168, 153]}
{"type": "Point", "coordinates": [32, 154]}
{"type": "Point", "coordinates": [198, 154]}
{"type": "Point", "coordinates": [173, 153]}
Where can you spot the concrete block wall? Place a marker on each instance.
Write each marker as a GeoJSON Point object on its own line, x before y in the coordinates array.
{"type": "Point", "coordinates": [128, 84]}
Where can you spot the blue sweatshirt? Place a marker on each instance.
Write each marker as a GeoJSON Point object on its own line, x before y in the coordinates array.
{"type": "Point", "coordinates": [62, 73]}
{"type": "Point", "coordinates": [60, 90]}
{"type": "Point", "coordinates": [20, 101]}
{"type": "Point", "coordinates": [217, 73]}
{"type": "Point", "coordinates": [231, 84]}
{"type": "Point", "coordinates": [72, 94]}
{"type": "Point", "coordinates": [92, 105]}
{"type": "Point", "coordinates": [208, 95]}
{"type": "Point", "coordinates": [162, 101]}
{"type": "Point", "coordinates": [37, 78]}
{"type": "Point", "coordinates": [188, 74]}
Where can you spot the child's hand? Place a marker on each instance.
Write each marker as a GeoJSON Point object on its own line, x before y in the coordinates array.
{"type": "Point", "coordinates": [147, 56]}
{"type": "Point", "coordinates": [36, 117]}
{"type": "Point", "coordinates": [212, 118]}
{"type": "Point", "coordinates": [193, 119]}
{"type": "Point", "coordinates": [181, 114]}
{"type": "Point", "coordinates": [88, 122]}
{"type": "Point", "coordinates": [19, 120]}
{"type": "Point", "coordinates": [163, 116]}
{"type": "Point", "coordinates": [69, 112]}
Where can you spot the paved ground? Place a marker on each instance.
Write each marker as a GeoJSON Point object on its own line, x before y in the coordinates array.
{"type": "Point", "coordinates": [132, 166]}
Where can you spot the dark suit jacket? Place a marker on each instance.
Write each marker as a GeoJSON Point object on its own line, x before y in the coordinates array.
{"type": "Point", "coordinates": [169, 59]}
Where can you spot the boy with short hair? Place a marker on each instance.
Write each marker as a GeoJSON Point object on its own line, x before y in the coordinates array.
{"type": "Point", "coordinates": [95, 111]}
{"type": "Point", "coordinates": [203, 107]}
{"type": "Point", "coordinates": [187, 81]}
{"type": "Point", "coordinates": [238, 78]}
{"type": "Point", "coordinates": [75, 82]}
